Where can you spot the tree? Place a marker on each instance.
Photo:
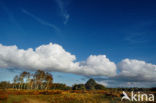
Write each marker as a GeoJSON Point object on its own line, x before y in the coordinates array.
{"type": "Point", "coordinates": [31, 83]}
{"type": "Point", "coordinates": [60, 86]}
{"type": "Point", "coordinates": [28, 80]}
{"type": "Point", "coordinates": [42, 80]}
{"type": "Point", "coordinates": [4, 85]}
{"type": "Point", "coordinates": [48, 79]}
{"type": "Point", "coordinates": [21, 81]}
{"type": "Point", "coordinates": [16, 78]}
{"type": "Point", "coordinates": [99, 87]}
{"type": "Point", "coordinates": [79, 87]}
{"type": "Point", "coordinates": [90, 84]}
{"type": "Point", "coordinates": [24, 75]}
{"type": "Point", "coordinates": [39, 78]}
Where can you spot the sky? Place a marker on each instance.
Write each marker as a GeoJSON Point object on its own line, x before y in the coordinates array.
{"type": "Point", "coordinates": [112, 41]}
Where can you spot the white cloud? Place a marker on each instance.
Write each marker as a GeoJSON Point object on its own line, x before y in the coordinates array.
{"type": "Point", "coordinates": [136, 70]}
{"type": "Point", "coordinates": [53, 57]}
{"type": "Point", "coordinates": [98, 65]}
{"type": "Point", "coordinates": [43, 57]}
{"type": "Point", "coordinates": [132, 73]}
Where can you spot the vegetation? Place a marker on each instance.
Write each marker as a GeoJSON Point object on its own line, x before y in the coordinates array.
{"type": "Point", "coordinates": [38, 87]}
{"type": "Point", "coordinates": [38, 80]}
{"type": "Point", "coordinates": [56, 96]}
{"type": "Point", "coordinates": [90, 85]}
{"type": "Point", "coordinates": [60, 86]}
{"type": "Point", "coordinates": [41, 80]}
{"type": "Point", "coordinates": [79, 87]}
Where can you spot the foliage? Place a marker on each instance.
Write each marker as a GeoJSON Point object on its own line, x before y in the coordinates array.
{"type": "Point", "coordinates": [99, 87]}
{"type": "Point", "coordinates": [79, 87]}
{"type": "Point", "coordinates": [90, 84]}
{"type": "Point", "coordinates": [4, 85]}
{"type": "Point", "coordinates": [60, 86]}
{"type": "Point", "coordinates": [38, 80]}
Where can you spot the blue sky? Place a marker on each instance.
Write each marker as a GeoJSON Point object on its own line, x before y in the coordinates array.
{"type": "Point", "coordinates": [117, 28]}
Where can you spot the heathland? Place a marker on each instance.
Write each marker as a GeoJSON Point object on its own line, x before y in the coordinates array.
{"type": "Point", "coordinates": [38, 87]}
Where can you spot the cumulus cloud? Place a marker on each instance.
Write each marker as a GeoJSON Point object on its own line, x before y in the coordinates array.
{"type": "Point", "coordinates": [43, 57]}
{"type": "Point", "coordinates": [98, 65]}
{"type": "Point", "coordinates": [54, 58]}
{"type": "Point", "coordinates": [136, 70]}
{"type": "Point", "coordinates": [132, 73]}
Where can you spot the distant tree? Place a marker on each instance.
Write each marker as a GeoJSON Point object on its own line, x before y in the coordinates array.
{"type": "Point", "coordinates": [15, 82]}
{"type": "Point", "coordinates": [39, 78]}
{"type": "Point", "coordinates": [99, 87]}
{"type": "Point", "coordinates": [90, 84]}
{"type": "Point", "coordinates": [4, 85]}
{"type": "Point", "coordinates": [24, 76]}
{"type": "Point", "coordinates": [49, 80]}
{"type": "Point", "coordinates": [28, 76]}
{"type": "Point", "coordinates": [21, 81]}
{"type": "Point", "coordinates": [60, 86]}
{"type": "Point", "coordinates": [42, 80]}
{"type": "Point", "coordinates": [31, 83]}
{"type": "Point", "coordinates": [78, 87]}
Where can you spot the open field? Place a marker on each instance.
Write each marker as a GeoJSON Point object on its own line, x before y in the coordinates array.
{"type": "Point", "coordinates": [41, 89]}
{"type": "Point", "coordinates": [57, 96]}
{"type": "Point", "coordinates": [60, 96]}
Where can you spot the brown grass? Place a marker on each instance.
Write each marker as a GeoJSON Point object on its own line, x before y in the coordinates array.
{"type": "Point", "coordinates": [58, 96]}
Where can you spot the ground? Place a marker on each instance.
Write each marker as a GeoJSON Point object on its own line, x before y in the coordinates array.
{"type": "Point", "coordinates": [60, 96]}
{"type": "Point", "coordinates": [57, 96]}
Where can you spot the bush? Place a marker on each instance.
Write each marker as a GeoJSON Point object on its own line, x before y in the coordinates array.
{"type": "Point", "coordinates": [60, 86]}
{"type": "Point", "coordinates": [79, 87]}
{"type": "Point", "coordinates": [90, 84]}
{"type": "Point", "coordinates": [99, 87]}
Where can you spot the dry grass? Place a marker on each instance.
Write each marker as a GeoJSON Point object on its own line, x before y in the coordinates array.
{"type": "Point", "coordinates": [58, 96]}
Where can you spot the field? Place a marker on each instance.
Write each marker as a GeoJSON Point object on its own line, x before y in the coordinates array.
{"type": "Point", "coordinates": [61, 96]}
{"type": "Point", "coordinates": [58, 96]}
{"type": "Point", "coordinates": [41, 89]}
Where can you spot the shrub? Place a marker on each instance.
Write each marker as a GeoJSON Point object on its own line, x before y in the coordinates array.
{"type": "Point", "coordinates": [79, 87]}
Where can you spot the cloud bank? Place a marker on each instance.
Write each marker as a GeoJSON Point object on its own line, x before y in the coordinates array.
{"type": "Point", "coordinates": [54, 57]}
{"type": "Point", "coordinates": [132, 73]}
{"type": "Point", "coordinates": [136, 70]}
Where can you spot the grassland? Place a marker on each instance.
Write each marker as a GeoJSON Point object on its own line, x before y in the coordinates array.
{"type": "Point", "coordinates": [62, 96]}
{"type": "Point", "coordinates": [58, 96]}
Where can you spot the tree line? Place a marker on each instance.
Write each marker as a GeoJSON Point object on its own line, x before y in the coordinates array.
{"type": "Point", "coordinates": [89, 85]}
{"type": "Point", "coordinates": [41, 80]}
{"type": "Point", "coordinates": [38, 80]}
